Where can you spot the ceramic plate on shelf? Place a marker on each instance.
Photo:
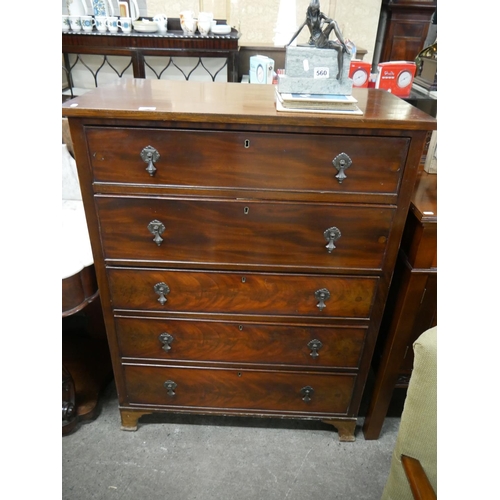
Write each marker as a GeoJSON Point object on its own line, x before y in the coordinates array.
{"type": "Point", "coordinates": [221, 29]}
{"type": "Point", "coordinates": [145, 26]}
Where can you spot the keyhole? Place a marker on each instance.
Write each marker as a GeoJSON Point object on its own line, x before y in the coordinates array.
{"type": "Point", "coordinates": [246, 210]}
{"type": "Point", "coordinates": [243, 279]}
{"type": "Point", "coordinates": [247, 143]}
{"type": "Point", "coordinates": [240, 327]}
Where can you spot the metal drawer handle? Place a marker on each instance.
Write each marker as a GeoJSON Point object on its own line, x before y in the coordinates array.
{"type": "Point", "coordinates": [307, 392]}
{"type": "Point", "coordinates": [150, 155]}
{"type": "Point", "coordinates": [331, 235]}
{"type": "Point", "coordinates": [315, 345]}
{"type": "Point", "coordinates": [166, 339]}
{"type": "Point", "coordinates": [341, 162]}
{"type": "Point", "coordinates": [162, 289]}
{"type": "Point", "coordinates": [170, 385]}
{"type": "Point", "coordinates": [322, 295]}
{"type": "Point", "coordinates": [156, 228]}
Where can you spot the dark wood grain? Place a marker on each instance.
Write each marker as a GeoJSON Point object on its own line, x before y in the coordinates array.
{"type": "Point", "coordinates": [412, 303]}
{"type": "Point", "coordinates": [244, 233]}
{"type": "Point", "coordinates": [406, 28]}
{"type": "Point", "coordinates": [233, 103]}
{"type": "Point", "coordinates": [245, 160]}
{"type": "Point", "coordinates": [241, 342]}
{"type": "Point", "coordinates": [242, 293]}
{"type": "Point", "coordinates": [259, 268]}
{"type": "Point", "coordinates": [259, 391]}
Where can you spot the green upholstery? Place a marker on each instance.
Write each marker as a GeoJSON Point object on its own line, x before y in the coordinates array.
{"type": "Point", "coordinates": [417, 435]}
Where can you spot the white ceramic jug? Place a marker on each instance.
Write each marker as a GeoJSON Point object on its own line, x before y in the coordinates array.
{"type": "Point", "coordinates": [134, 10]}
{"type": "Point", "coordinates": [76, 7]}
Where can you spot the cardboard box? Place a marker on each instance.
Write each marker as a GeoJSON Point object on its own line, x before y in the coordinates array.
{"type": "Point", "coordinates": [261, 69]}
{"type": "Point", "coordinates": [396, 77]}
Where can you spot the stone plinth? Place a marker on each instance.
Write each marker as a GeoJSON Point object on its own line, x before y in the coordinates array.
{"type": "Point", "coordinates": [305, 66]}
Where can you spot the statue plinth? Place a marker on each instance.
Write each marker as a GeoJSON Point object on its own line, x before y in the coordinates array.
{"type": "Point", "coordinates": [311, 70]}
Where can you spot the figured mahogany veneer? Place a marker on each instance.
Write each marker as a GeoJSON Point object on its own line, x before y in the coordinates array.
{"type": "Point", "coordinates": [242, 271]}
{"type": "Point", "coordinates": [242, 342]}
{"type": "Point", "coordinates": [249, 232]}
{"type": "Point", "coordinates": [241, 293]}
{"type": "Point", "coordinates": [303, 165]}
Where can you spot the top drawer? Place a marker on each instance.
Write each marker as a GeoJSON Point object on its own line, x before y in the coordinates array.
{"type": "Point", "coordinates": [247, 160]}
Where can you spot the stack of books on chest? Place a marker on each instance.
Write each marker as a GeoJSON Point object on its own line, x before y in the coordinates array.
{"type": "Point", "coordinates": [317, 103]}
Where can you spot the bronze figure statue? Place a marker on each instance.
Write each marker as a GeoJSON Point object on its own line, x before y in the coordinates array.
{"type": "Point", "coordinates": [316, 21]}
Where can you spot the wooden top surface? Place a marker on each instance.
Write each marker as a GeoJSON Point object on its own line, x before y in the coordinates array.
{"type": "Point", "coordinates": [159, 100]}
{"type": "Point", "coordinates": [424, 199]}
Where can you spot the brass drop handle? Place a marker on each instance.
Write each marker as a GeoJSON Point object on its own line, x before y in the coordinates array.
{"type": "Point", "coordinates": [166, 340]}
{"type": "Point", "coordinates": [307, 392]}
{"type": "Point", "coordinates": [170, 385]}
{"type": "Point", "coordinates": [156, 228]}
{"type": "Point", "coordinates": [341, 162]}
{"type": "Point", "coordinates": [150, 155]}
{"type": "Point", "coordinates": [315, 345]}
{"type": "Point", "coordinates": [322, 295]}
{"type": "Point", "coordinates": [331, 235]}
{"type": "Point", "coordinates": [162, 289]}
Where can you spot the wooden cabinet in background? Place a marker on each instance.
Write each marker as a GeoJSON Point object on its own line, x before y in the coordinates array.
{"type": "Point", "coordinates": [412, 303]}
{"type": "Point", "coordinates": [405, 28]}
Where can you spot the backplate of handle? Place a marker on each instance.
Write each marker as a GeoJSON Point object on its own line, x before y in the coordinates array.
{"type": "Point", "coordinates": [150, 155]}
{"type": "Point", "coordinates": [341, 162]}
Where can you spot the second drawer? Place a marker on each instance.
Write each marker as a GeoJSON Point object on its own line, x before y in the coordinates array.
{"type": "Point", "coordinates": [305, 235]}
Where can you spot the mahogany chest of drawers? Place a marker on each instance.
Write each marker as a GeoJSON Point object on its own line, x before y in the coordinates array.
{"type": "Point", "coordinates": [243, 256]}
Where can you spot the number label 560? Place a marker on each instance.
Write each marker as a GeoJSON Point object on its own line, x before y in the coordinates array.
{"type": "Point", "coordinates": [321, 73]}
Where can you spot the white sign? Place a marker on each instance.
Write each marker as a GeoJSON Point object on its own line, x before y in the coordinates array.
{"type": "Point", "coordinates": [321, 73]}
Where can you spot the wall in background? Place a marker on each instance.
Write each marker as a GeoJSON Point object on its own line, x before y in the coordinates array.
{"type": "Point", "coordinates": [271, 22]}
{"type": "Point", "coordinates": [264, 22]}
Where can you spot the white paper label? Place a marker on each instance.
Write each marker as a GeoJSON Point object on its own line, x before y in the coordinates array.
{"type": "Point", "coordinates": [321, 73]}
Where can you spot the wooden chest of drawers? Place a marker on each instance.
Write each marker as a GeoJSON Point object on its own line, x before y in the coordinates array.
{"type": "Point", "coordinates": [243, 256]}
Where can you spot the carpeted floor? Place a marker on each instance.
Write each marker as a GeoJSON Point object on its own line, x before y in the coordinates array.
{"type": "Point", "coordinates": [220, 458]}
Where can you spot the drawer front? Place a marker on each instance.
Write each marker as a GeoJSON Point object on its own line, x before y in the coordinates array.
{"type": "Point", "coordinates": [239, 389]}
{"type": "Point", "coordinates": [289, 162]}
{"type": "Point", "coordinates": [242, 293]}
{"type": "Point", "coordinates": [240, 342]}
{"type": "Point", "coordinates": [244, 232]}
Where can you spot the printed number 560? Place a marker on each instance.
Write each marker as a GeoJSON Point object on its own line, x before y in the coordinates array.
{"type": "Point", "coordinates": [321, 73]}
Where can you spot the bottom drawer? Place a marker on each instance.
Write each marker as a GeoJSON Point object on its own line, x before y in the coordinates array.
{"type": "Point", "coordinates": [239, 390]}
